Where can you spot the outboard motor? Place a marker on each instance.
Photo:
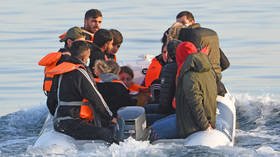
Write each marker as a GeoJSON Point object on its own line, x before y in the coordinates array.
{"type": "Point", "coordinates": [135, 122]}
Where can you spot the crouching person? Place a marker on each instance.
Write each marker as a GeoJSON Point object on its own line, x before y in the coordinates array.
{"type": "Point", "coordinates": [81, 112]}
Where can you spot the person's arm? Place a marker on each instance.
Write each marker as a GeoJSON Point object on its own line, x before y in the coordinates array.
{"type": "Point", "coordinates": [153, 72]}
{"type": "Point", "coordinates": [224, 62]}
{"type": "Point", "coordinates": [126, 98]}
{"type": "Point", "coordinates": [167, 88]}
{"type": "Point", "coordinates": [90, 92]}
{"type": "Point", "coordinates": [195, 102]}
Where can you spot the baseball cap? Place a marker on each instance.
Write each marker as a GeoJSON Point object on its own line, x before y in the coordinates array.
{"type": "Point", "coordinates": [73, 34]}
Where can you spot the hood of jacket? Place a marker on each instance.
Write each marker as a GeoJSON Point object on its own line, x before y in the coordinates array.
{"type": "Point", "coordinates": [197, 62]}
{"type": "Point", "coordinates": [183, 50]}
{"type": "Point", "coordinates": [108, 77]}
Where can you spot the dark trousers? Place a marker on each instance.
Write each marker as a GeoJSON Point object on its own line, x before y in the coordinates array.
{"type": "Point", "coordinates": [152, 113]}
{"type": "Point", "coordinates": [82, 130]}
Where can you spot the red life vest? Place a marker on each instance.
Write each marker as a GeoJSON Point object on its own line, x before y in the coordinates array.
{"type": "Point", "coordinates": [86, 112]}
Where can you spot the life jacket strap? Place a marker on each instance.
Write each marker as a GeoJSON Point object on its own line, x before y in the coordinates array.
{"type": "Point", "coordinates": [58, 119]}
{"type": "Point", "coordinates": [71, 103]}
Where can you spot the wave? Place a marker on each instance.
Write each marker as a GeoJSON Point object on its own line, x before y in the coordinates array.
{"type": "Point", "coordinates": [258, 121]}
{"type": "Point", "coordinates": [20, 129]}
{"type": "Point", "coordinates": [257, 134]}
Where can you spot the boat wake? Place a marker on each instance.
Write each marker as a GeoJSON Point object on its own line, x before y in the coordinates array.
{"type": "Point", "coordinates": [258, 127]}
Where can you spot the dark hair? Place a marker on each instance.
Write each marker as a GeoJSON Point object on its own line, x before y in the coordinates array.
{"type": "Point", "coordinates": [164, 36]}
{"type": "Point", "coordinates": [102, 36]}
{"type": "Point", "coordinates": [171, 48]}
{"type": "Point", "coordinates": [117, 36]}
{"type": "Point", "coordinates": [162, 47]}
{"type": "Point", "coordinates": [188, 14]}
{"type": "Point", "coordinates": [128, 70]}
{"type": "Point", "coordinates": [189, 34]}
{"type": "Point", "coordinates": [94, 13]}
{"type": "Point", "coordinates": [78, 47]}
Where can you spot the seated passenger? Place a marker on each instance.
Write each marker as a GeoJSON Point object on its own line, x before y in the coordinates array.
{"type": "Point", "coordinates": [117, 41]}
{"type": "Point", "coordinates": [139, 92]}
{"type": "Point", "coordinates": [168, 79]}
{"type": "Point", "coordinates": [196, 94]}
{"type": "Point", "coordinates": [81, 109]}
{"type": "Point", "coordinates": [54, 58]}
{"type": "Point", "coordinates": [114, 91]}
{"type": "Point", "coordinates": [73, 34]}
{"type": "Point", "coordinates": [103, 42]}
{"type": "Point", "coordinates": [167, 91]}
{"type": "Point", "coordinates": [152, 79]}
{"type": "Point", "coordinates": [154, 68]}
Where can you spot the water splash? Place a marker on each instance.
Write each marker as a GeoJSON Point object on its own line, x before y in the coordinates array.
{"type": "Point", "coordinates": [19, 129]}
{"type": "Point", "coordinates": [257, 135]}
{"type": "Point", "coordinates": [259, 122]}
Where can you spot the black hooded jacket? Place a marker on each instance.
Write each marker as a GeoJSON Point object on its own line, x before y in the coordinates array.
{"type": "Point", "coordinates": [75, 87]}
{"type": "Point", "coordinates": [168, 87]}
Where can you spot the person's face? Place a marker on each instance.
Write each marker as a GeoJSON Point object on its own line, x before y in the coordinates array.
{"type": "Point", "coordinates": [115, 48]}
{"type": "Point", "coordinates": [126, 78]}
{"type": "Point", "coordinates": [109, 46]}
{"type": "Point", "coordinates": [86, 55]}
{"type": "Point", "coordinates": [96, 72]}
{"type": "Point", "coordinates": [164, 54]}
{"type": "Point", "coordinates": [93, 24]}
{"type": "Point", "coordinates": [185, 21]}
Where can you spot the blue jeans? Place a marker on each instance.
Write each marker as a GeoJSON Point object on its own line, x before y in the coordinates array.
{"type": "Point", "coordinates": [152, 113]}
{"type": "Point", "coordinates": [165, 128]}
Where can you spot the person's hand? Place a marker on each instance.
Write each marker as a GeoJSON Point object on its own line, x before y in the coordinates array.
{"type": "Point", "coordinates": [114, 120]}
{"type": "Point", "coordinates": [209, 127]}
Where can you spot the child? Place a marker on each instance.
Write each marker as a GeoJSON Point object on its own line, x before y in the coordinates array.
{"type": "Point", "coordinates": [139, 92]}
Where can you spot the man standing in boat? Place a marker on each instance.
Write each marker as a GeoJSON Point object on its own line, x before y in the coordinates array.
{"type": "Point", "coordinates": [81, 113]}
{"type": "Point", "coordinates": [92, 23]}
{"type": "Point", "coordinates": [208, 38]}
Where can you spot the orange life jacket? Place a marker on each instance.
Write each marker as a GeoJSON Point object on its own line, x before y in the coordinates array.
{"type": "Point", "coordinates": [135, 88]}
{"type": "Point", "coordinates": [49, 61]}
{"type": "Point", "coordinates": [153, 72]}
{"type": "Point", "coordinates": [115, 58]}
{"type": "Point", "coordinates": [98, 80]}
{"type": "Point", "coordinates": [86, 112]}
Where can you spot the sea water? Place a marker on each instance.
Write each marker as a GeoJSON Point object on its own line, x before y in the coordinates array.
{"type": "Point", "coordinates": [249, 35]}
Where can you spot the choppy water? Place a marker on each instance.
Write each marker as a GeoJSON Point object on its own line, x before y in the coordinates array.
{"type": "Point", "coordinates": [249, 35]}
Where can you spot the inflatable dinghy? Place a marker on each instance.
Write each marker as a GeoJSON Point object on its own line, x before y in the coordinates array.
{"type": "Point", "coordinates": [224, 133]}
{"type": "Point", "coordinates": [135, 123]}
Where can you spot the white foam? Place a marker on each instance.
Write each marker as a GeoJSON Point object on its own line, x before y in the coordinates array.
{"type": "Point", "coordinates": [52, 150]}
{"type": "Point", "coordinates": [131, 147]}
{"type": "Point", "coordinates": [266, 150]}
